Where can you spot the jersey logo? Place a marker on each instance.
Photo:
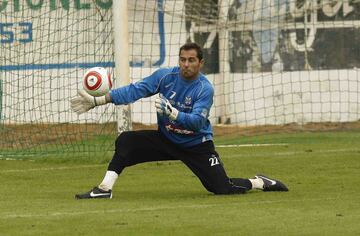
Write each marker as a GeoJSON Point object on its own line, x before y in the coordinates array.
{"type": "Point", "coordinates": [187, 100]}
{"type": "Point", "coordinates": [178, 130]}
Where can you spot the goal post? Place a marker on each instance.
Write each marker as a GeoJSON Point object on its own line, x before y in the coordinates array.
{"type": "Point", "coordinates": [1, 103]}
{"type": "Point", "coordinates": [121, 56]}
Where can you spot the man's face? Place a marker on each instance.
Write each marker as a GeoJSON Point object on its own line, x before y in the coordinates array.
{"type": "Point", "coordinates": [190, 64]}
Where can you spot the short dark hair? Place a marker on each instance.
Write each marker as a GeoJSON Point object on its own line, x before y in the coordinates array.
{"type": "Point", "coordinates": [190, 46]}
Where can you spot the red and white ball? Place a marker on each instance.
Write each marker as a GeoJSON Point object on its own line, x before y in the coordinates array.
{"type": "Point", "coordinates": [97, 81]}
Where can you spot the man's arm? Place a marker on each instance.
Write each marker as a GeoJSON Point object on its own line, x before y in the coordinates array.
{"type": "Point", "coordinates": [84, 102]}
{"type": "Point", "coordinates": [193, 121]}
{"type": "Point", "coordinates": [123, 95]}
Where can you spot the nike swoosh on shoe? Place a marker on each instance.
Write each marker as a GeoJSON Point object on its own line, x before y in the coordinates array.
{"type": "Point", "coordinates": [98, 194]}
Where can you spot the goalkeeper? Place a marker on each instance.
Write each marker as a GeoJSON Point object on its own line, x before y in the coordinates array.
{"type": "Point", "coordinates": [184, 133]}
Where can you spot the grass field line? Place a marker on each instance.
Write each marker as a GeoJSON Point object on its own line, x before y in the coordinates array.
{"type": "Point", "coordinates": [287, 153]}
{"type": "Point", "coordinates": [252, 145]}
{"type": "Point", "coordinates": [52, 168]}
{"type": "Point", "coordinates": [146, 209]}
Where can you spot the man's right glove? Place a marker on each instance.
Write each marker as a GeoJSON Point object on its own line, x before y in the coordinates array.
{"type": "Point", "coordinates": [163, 106]}
{"type": "Point", "coordinates": [84, 102]}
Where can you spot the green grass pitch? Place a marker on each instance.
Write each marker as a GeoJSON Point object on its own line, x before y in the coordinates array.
{"type": "Point", "coordinates": [322, 171]}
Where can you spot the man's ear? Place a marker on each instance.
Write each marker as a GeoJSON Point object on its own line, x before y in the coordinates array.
{"type": "Point", "coordinates": [202, 62]}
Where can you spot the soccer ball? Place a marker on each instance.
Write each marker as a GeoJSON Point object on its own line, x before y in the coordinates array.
{"type": "Point", "coordinates": [97, 81]}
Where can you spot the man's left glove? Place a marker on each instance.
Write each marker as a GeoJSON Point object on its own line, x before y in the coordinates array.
{"type": "Point", "coordinates": [163, 106]}
{"type": "Point", "coordinates": [84, 102]}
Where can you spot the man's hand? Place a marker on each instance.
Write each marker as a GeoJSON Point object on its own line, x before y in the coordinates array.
{"type": "Point", "coordinates": [84, 102]}
{"type": "Point", "coordinates": [163, 106]}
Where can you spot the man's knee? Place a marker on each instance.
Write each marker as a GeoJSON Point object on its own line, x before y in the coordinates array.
{"type": "Point", "coordinates": [123, 148]}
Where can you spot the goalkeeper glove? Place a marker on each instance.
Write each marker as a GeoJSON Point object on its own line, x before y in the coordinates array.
{"type": "Point", "coordinates": [163, 106]}
{"type": "Point", "coordinates": [84, 102]}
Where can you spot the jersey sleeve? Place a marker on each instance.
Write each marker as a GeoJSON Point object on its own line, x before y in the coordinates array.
{"type": "Point", "coordinates": [198, 117]}
{"type": "Point", "coordinates": [141, 89]}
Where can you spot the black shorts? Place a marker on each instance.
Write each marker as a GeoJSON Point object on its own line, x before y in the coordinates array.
{"type": "Point", "coordinates": [136, 147]}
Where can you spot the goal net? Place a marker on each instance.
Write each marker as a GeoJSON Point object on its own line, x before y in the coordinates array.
{"type": "Point", "coordinates": [273, 64]}
{"type": "Point", "coordinates": [46, 47]}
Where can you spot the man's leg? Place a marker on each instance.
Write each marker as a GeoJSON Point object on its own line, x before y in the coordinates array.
{"type": "Point", "coordinates": [136, 147]}
{"type": "Point", "coordinates": [131, 148]}
{"type": "Point", "coordinates": [205, 163]}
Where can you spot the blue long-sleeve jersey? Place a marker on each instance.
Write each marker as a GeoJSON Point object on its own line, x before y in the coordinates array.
{"type": "Point", "coordinates": [193, 100]}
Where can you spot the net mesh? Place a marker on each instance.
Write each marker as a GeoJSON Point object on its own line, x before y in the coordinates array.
{"type": "Point", "coordinates": [276, 66]}
{"type": "Point", "coordinates": [45, 50]}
